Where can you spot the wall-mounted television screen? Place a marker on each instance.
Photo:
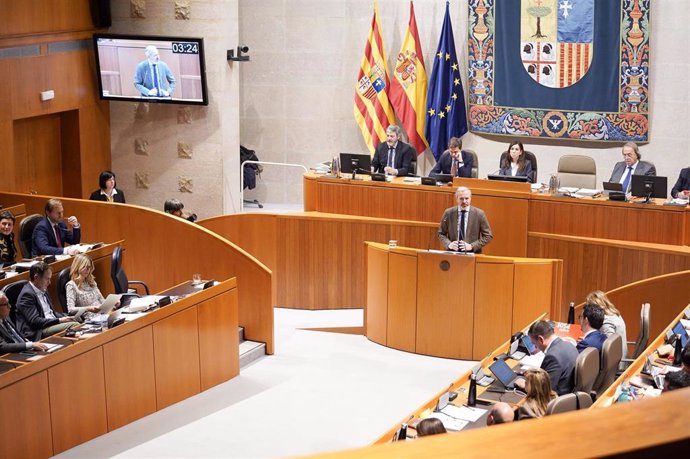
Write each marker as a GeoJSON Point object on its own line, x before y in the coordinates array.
{"type": "Point", "coordinates": [151, 69]}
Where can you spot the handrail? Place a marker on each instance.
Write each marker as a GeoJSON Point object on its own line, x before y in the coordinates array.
{"type": "Point", "coordinates": [269, 163]}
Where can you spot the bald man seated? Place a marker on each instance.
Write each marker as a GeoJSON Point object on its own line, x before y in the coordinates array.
{"type": "Point", "coordinates": [500, 413]}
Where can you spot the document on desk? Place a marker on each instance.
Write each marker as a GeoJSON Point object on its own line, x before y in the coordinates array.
{"type": "Point", "coordinates": [532, 361]}
{"type": "Point", "coordinates": [466, 413]}
{"type": "Point", "coordinates": [450, 423]}
{"type": "Point", "coordinates": [52, 347]}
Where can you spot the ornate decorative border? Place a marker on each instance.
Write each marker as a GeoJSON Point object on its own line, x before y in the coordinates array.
{"type": "Point", "coordinates": [630, 123]}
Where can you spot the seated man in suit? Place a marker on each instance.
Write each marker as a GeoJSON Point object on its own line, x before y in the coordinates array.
{"type": "Point", "coordinates": [10, 339]}
{"type": "Point", "coordinates": [591, 320]}
{"type": "Point", "coordinates": [51, 233]}
{"type": "Point", "coordinates": [631, 165]}
{"type": "Point", "coordinates": [682, 186]}
{"type": "Point", "coordinates": [393, 156]}
{"type": "Point", "coordinates": [464, 228]}
{"type": "Point", "coordinates": [454, 161]}
{"type": "Point", "coordinates": [36, 317]}
{"type": "Point", "coordinates": [559, 360]}
{"type": "Point", "coordinates": [500, 413]}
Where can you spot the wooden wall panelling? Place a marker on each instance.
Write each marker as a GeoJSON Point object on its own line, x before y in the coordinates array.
{"type": "Point", "coordinates": [129, 377]}
{"type": "Point", "coordinates": [213, 256]}
{"type": "Point", "coordinates": [311, 194]}
{"type": "Point", "coordinates": [37, 157]}
{"type": "Point", "coordinates": [176, 354]}
{"type": "Point", "coordinates": [376, 306]}
{"type": "Point", "coordinates": [532, 288]}
{"type": "Point", "coordinates": [218, 340]}
{"type": "Point", "coordinates": [42, 16]}
{"type": "Point", "coordinates": [70, 148]}
{"type": "Point", "coordinates": [94, 149]}
{"type": "Point", "coordinates": [77, 419]}
{"type": "Point", "coordinates": [25, 429]}
{"type": "Point", "coordinates": [445, 323]}
{"type": "Point", "coordinates": [493, 292]}
{"type": "Point", "coordinates": [599, 264]}
{"type": "Point", "coordinates": [402, 301]}
{"type": "Point", "coordinates": [607, 220]}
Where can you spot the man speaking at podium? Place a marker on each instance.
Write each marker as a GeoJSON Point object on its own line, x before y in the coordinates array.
{"type": "Point", "coordinates": [464, 228]}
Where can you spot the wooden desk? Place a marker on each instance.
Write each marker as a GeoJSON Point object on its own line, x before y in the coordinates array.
{"type": "Point", "coordinates": [635, 368]}
{"type": "Point", "coordinates": [101, 260]}
{"type": "Point", "coordinates": [436, 303]}
{"type": "Point", "coordinates": [603, 244]}
{"type": "Point", "coordinates": [460, 385]}
{"type": "Point", "coordinates": [181, 349]}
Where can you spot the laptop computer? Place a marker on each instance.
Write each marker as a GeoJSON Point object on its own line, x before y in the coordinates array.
{"type": "Point", "coordinates": [612, 187]}
{"type": "Point", "coordinates": [504, 373]}
{"type": "Point", "coordinates": [514, 352]}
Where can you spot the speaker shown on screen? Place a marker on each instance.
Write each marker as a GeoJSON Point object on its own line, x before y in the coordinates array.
{"type": "Point", "coordinates": [100, 13]}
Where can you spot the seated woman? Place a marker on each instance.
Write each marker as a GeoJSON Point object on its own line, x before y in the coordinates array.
{"type": "Point", "coordinates": [83, 295]}
{"type": "Point", "coordinates": [8, 252]}
{"type": "Point", "coordinates": [430, 426]}
{"type": "Point", "coordinates": [613, 320]}
{"type": "Point", "coordinates": [539, 394]}
{"type": "Point", "coordinates": [107, 191]}
{"type": "Point", "coordinates": [515, 163]}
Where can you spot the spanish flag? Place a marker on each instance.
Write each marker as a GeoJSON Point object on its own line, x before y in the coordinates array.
{"type": "Point", "coordinates": [408, 88]}
{"type": "Point", "coordinates": [373, 111]}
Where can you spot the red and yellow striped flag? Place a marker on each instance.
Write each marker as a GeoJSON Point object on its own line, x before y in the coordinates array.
{"type": "Point", "coordinates": [408, 88]}
{"type": "Point", "coordinates": [373, 111]}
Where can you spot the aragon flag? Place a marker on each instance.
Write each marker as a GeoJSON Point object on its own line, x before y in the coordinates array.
{"type": "Point", "coordinates": [372, 109]}
{"type": "Point", "coordinates": [408, 87]}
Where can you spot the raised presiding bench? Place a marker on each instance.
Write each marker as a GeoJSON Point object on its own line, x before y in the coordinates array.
{"type": "Point", "coordinates": [451, 305]}
{"type": "Point", "coordinates": [99, 384]}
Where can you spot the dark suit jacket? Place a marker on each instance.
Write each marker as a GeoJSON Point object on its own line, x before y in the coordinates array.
{"type": "Point", "coordinates": [403, 158]}
{"type": "Point", "coordinates": [7, 343]}
{"type": "Point", "coordinates": [478, 229]}
{"type": "Point", "coordinates": [524, 172]}
{"type": "Point", "coordinates": [30, 317]}
{"type": "Point", "coordinates": [445, 162]}
{"type": "Point", "coordinates": [559, 363]}
{"type": "Point", "coordinates": [683, 182]}
{"type": "Point", "coordinates": [43, 240]}
{"type": "Point", "coordinates": [97, 196]}
{"type": "Point", "coordinates": [594, 339]}
{"type": "Point", "coordinates": [643, 168]}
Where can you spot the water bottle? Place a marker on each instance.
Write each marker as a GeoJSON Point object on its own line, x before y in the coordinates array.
{"type": "Point", "coordinates": [571, 313]}
{"type": "Point", "coordinates": [472, 396]}
{"type": "Point", "coordinates": [678, 352]}
{"type": "Point", "coordinates": [554, 183]}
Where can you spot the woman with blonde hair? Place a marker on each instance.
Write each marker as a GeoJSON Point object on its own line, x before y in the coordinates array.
{"type": "Point", "coordinates": [83, 295]}
{"type": "Point", "coordinates": [613, 320]}
{"type": "Point", "coordinates": [539, 394]}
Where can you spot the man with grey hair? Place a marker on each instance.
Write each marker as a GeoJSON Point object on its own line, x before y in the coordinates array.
{"type": "Point", "coordinates": [153, 77]}
{"type": "Point", "coordinates": [500, 413]}
{"type": "Point", "coordinates": [464, 228]}
{"type": "Point", "coordinates": [10, 339]}
{"type": "Point", "coordinates": [393, 157]}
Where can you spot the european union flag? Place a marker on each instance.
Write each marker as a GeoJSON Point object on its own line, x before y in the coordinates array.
{"type": "Point", "coordinates": [445, 114]}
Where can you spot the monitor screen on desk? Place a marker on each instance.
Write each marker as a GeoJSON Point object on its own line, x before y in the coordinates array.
{"type": "Point", "coordinates": [680, 330]}
{"type": "Point", "coordinates": [509, 178]}
{"type": "Point", "coordinates": [649, 185]}
{"type": "Point", "coordinates": [362, 161]}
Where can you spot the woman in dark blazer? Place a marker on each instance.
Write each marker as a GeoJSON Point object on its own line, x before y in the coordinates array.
{"type": "Point", "coordinates": [515, 164]}
{"type": "Point", "coordinates": [107, 191]}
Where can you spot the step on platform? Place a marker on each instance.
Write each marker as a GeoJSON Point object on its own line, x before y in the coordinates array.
{"type": "Point", "coordinates": [250, 351]}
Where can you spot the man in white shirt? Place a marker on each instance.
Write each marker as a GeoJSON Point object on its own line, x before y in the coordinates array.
{"type": "Point", "coordinates": [10, 339]}
{"type": "Point", "coordinates": [36, 317]}
{"type": "Point", "coordinates": [464, 228]}
{"type": "Point", "coordinates": [51, 233]}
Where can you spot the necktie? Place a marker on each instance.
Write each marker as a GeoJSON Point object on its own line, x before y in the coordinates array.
{"type": "Point", "coordinates": [155, 79]}
{"type": "Point", "coordinates": [626, 182]}
{"type": "Point", "coordinates": [12, 332]}
{"type": "Point", "coordinates": [58, 239]}
{"type": "Point", "coordinates": [461, 226]}
{"type": "Point", "coordinates": [454, 168]}
{"type": "Point", "coordinates": [390, 157]}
